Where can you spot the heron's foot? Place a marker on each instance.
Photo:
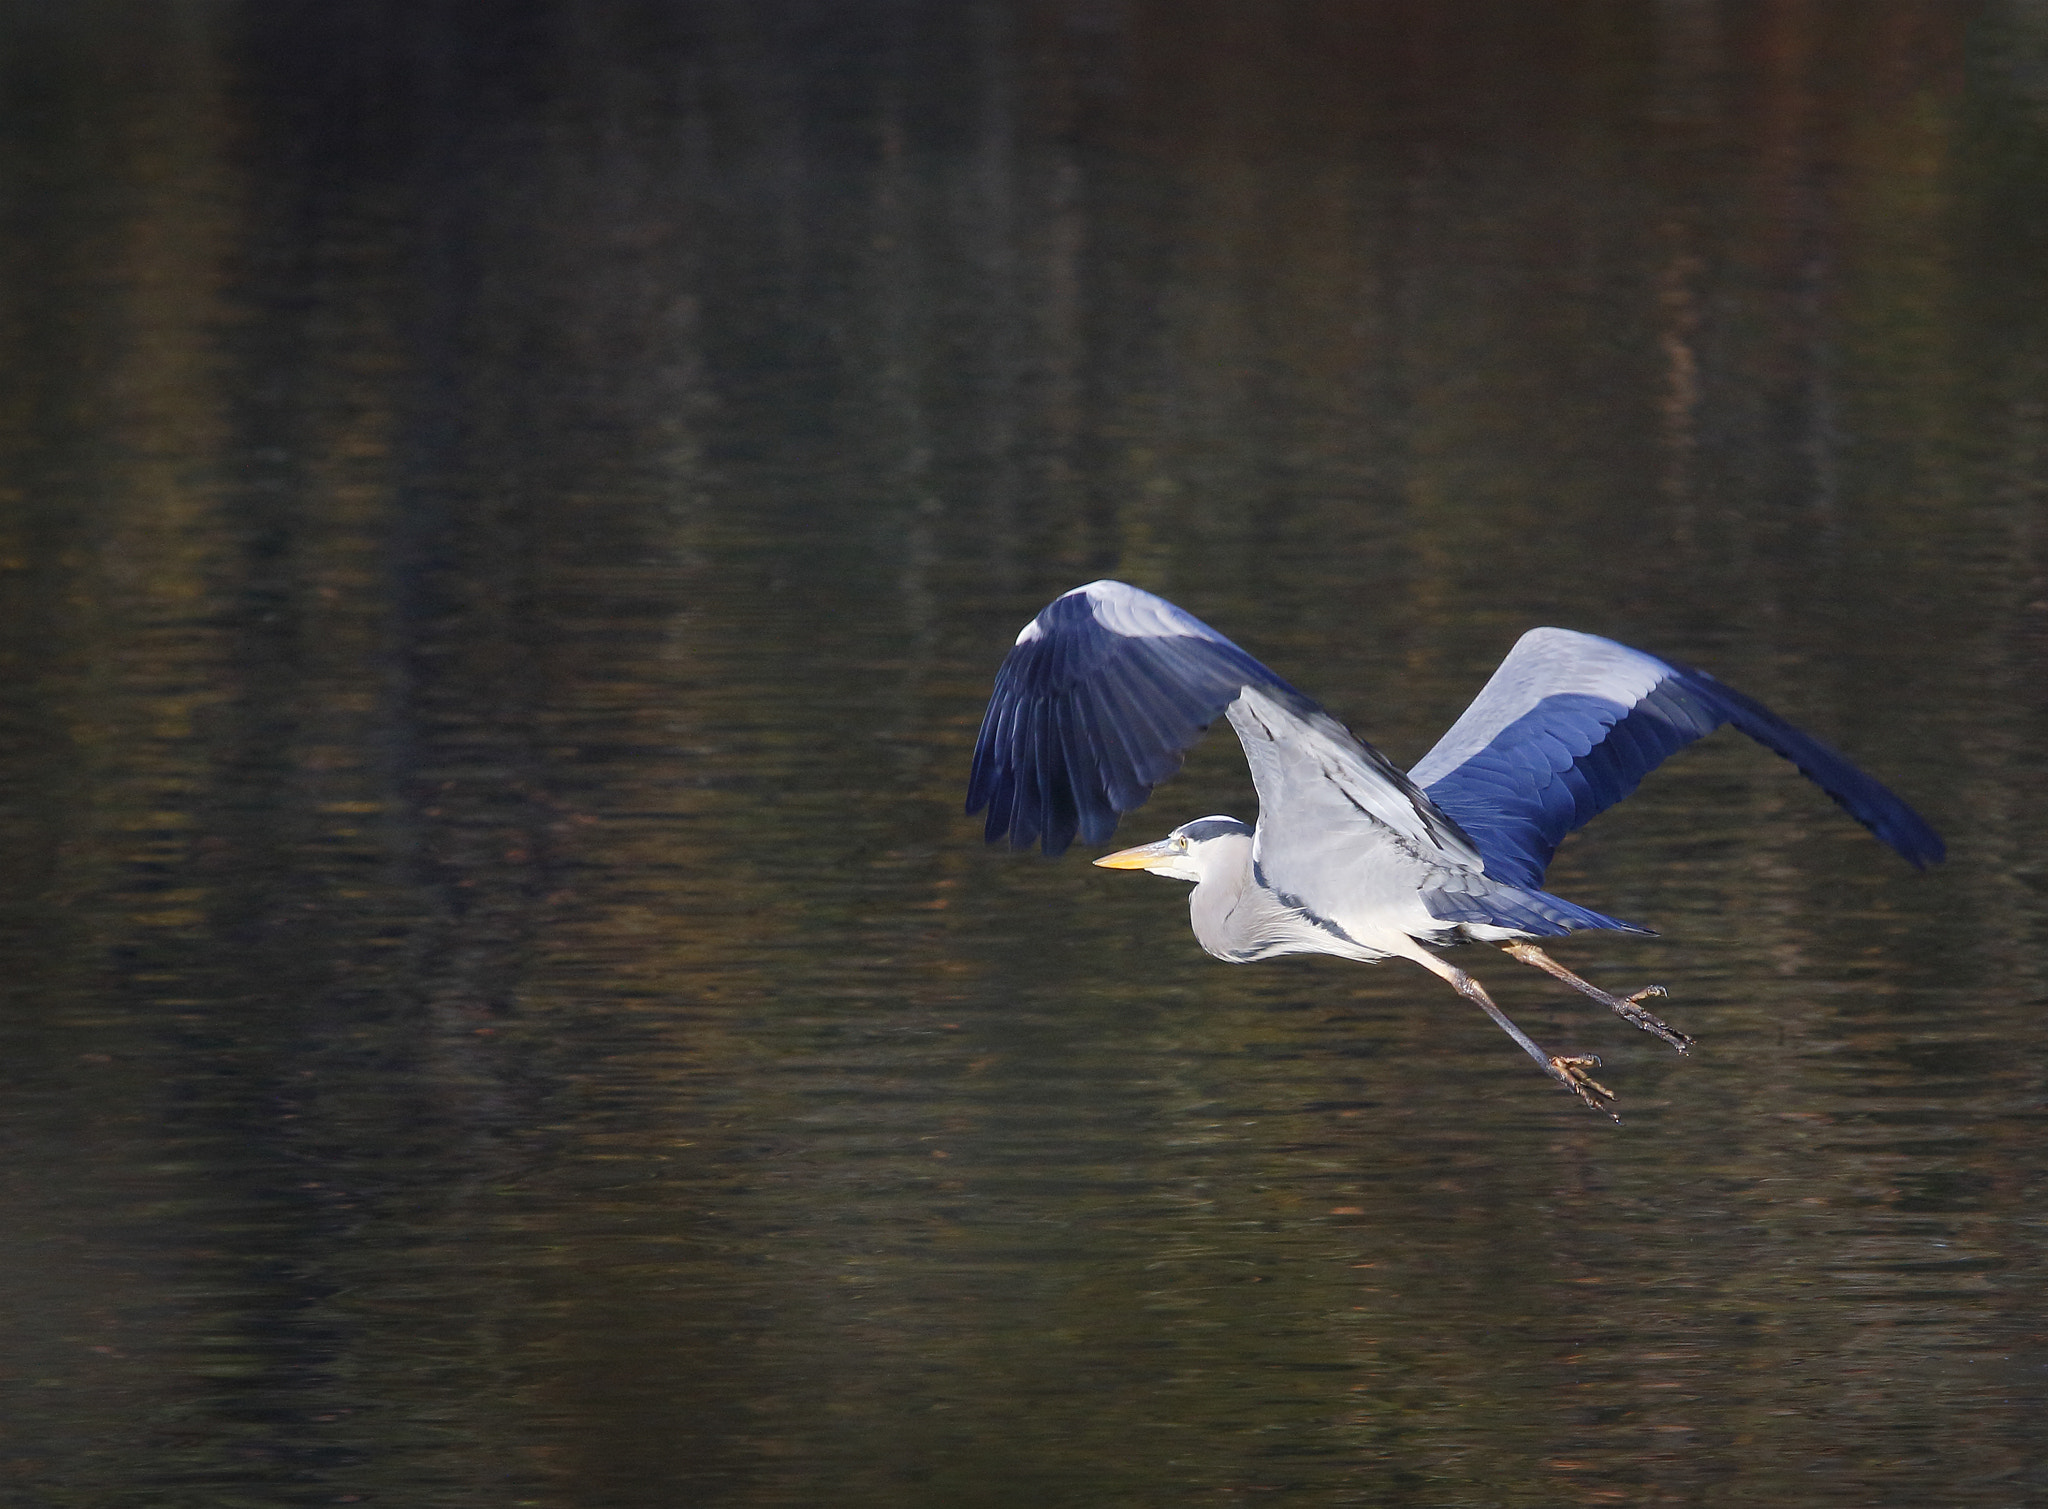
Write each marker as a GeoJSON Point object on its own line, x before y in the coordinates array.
{"type": "Point", "coordinates": [1571, 1073]}
{"type": "Point", "coordinates": [1630, 1009]}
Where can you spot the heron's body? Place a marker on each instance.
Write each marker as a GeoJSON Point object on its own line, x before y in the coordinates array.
{"type": "Point", "coordinates": [1241, 921]}
{"type": "Point", "coordinates": [1108, 687]}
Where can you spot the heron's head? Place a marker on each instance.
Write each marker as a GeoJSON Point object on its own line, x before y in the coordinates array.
{"type": "Point", "coordinates": [1187, 852]}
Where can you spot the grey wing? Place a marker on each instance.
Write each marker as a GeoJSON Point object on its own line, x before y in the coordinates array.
{"type": "Point", "coordinates": [1103, 694]}
{"type": "Point", "coordinates": [1571, 722]}
{"type": "Point", "coordinates": [1330, 805]}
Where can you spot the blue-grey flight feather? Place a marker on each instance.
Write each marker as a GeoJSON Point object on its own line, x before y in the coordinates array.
{"type": "Point", "coordinates": [1571, 723]}
{"type": "Point", "coordinates": [1105, 692]}
{"type": "Point", "coordinates": [1107, 688]}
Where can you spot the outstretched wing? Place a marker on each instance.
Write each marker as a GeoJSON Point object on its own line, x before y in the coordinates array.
{"type": "Point", "coordinates": [1100, 700]}
{"type": "Point", "coordinates": [1571, 723]}
{"type": "Point", "coordinates": [1107, 690]}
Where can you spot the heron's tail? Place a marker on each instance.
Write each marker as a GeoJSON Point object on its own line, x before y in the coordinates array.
{"type": "Point", "coordinates": [1537, 913]}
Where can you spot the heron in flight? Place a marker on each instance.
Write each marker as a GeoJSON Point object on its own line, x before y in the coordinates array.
{"type": "Point", "coordinates": [1107, 689]}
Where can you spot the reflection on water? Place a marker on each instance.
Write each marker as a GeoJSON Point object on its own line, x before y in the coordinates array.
{"type": "Point", "coordinates": [510, 519]}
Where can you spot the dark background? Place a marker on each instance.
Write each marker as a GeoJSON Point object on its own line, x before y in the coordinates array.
{"type": "Point", "coordinates": [509, 513]}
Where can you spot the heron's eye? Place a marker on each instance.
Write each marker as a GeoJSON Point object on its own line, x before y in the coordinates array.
{"type": "Point", "coordinates": [1182, 840]}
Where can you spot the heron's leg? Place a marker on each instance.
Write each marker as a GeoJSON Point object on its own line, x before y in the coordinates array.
{"type": "Point", "coordinates": [1628, 1008]}
{"type": "Point", "coordinates": [1567, 1071]}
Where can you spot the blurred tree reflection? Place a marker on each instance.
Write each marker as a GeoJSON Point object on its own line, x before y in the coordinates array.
{"type": "Point", "coordinates": [510, 515]}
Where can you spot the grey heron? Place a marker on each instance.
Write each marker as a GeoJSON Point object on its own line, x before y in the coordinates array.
{"type": "Point", "coordinates": [1108, 687]}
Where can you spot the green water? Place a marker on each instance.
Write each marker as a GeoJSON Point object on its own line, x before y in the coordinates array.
{"type": "Point", "coordinates": [509, 514]}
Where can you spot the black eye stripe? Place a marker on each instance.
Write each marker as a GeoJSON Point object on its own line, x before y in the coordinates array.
{"type": "Point", "coordinates": [1202, 829]}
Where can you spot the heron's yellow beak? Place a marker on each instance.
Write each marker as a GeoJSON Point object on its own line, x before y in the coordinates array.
{"type": "Point", "coordinates": [1141, 858]}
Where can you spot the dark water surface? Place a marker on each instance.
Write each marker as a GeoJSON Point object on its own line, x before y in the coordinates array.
{"type": "Point", "coordinates": [510, 515]}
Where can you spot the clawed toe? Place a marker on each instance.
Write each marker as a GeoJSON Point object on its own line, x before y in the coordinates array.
{"type": "Point", "coordinates": [1571, 1073]}
{"type": "Point", "coordinates": [1630, 1010]}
